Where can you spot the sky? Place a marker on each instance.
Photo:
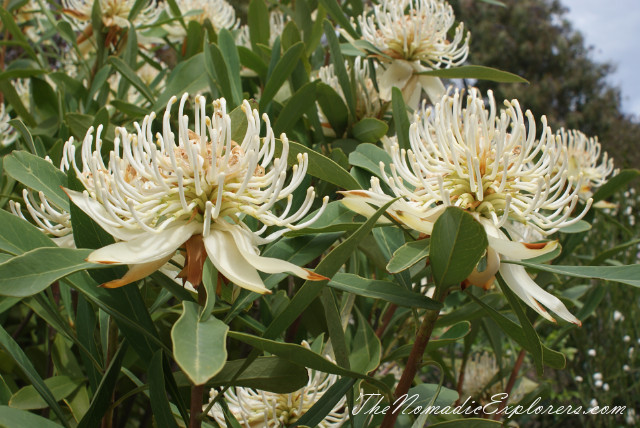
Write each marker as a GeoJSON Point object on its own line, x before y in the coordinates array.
{"type": "Point", "coordinates": [612, 27]}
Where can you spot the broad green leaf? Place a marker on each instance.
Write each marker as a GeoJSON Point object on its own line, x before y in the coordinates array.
{"type": "Point", "coordinates": [252, 61]}
{"type": "Point", "coordinates": [33, 271]}
{"type": "Point", "coordinates": [616, 183]}
{"type": "Point", "coordinates": [129, 74]}
{"type": "Point", "coordinates": [368, 157]}
{"type": "Point", "coordinates": [28, 398]}
{"type": "Point", "coordinates": [380, 289]}
{"type": "Point", "coordinates": [550, 357]}
{"type": "Point", "coordinates": [370, 130]}
{"type": "Point", "coordinates": [19, 236]}
{"type": "Point", "coordinates": [17, 354]}
{"type": "Point", "coordinates": [21, 73]}
{"type": "Point", "coordinates": [258, 20]}
{"type": "Point", "coordinates": [158, 394]}
{"type": "Point", "coordinates": [281, 72]}
{"type": "Point", "coordinates": [432, 394]}
{"type": "Point", "coordinates": [625, 274]}
{"type": "Point", "coordinates": [365, 347]}
{"type": "Point", "coordinates": [400, 118]}
{"type": "Point", "coordinates": [15, 418]}
{"type": "Point", "coordinates": [457, 243]}
{"type": "Point", "coordinates": [578, 227]}
{"type": "Point", "coordinates": [272, 374]}
{"type": "Point", "coordinates": [389, 239]}
{"type": "Point", "coordinates": [187, 76]}
{"type": "Point", "coordinates": [199, 347]}
{"type": "Point", "coordinates": [476, 72]}
{"type": "Point", "coordinates": [39, 175]}
{"type": "Point", "coordinates": [300, 103]}
{"type": "Point", "coordinates": [325, 404]}
{"type": "Point", "coordinates": [339, 67]}
{"type": "Point", "coordinates": [301, 355]}
{"type": "Point", "coordinates": [335, 329]}
{"type": "Point", "coordinates": [333, 107]}
{"type": "Point", "coordinates": [320, 166]}
{"type": "Point", "coordinates": [408, 255]}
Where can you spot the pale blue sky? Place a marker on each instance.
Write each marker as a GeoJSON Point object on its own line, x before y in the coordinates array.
{"type": "Point", "coordinates": [612, 27]}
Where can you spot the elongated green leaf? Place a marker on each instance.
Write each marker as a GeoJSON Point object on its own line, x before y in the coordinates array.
{"type": "Point", "coordinates": [28, 398]}
{"type": "Point", "coordinates": [187, 76]}
{"type": "Point", "coordinates": [333, 107]}
{"type": "Point", "coordinates": [338, 15]}
{"type": "Point", "coordinates": [273, 374]}
{"type": "Point", "coordinates": [366, 349]}
{"type": "Point", "coordinates": [132, 77]}
{"type": "Point", "coordinates": [476, 72]}
{"type": "Point", "coordinates": [252, 61]}
{"type": "Point", "coordinates": [19, 236]}
{"type": "Point", "coordinates": [12, 97]}
{"type": "Point", "coordinates": [453, 334]}
{"type": "Point", "coordinates": [389, 239]}
{"type": "Point", "coordinates": [26, 135]}
{"type": "Point", "coordinates": [321, 408]}
{"type": "Point", "coordinates": [369, 157]}
{"type": "Point", "coordinates": [15, 418]}
{"type": "Point", "coordinates": [258, 20]}
{"type": "Point", "coordinates": [199, 347]}
{"type": "Point", "coordinates": [39, 175]}
{"type": "Point", "coordinates": [21, 73]}
{"type": "Point", "coordinates": [370, 130]}
{"type": "Point", "coordinates": [457, 244]}
{"type": "Point", "coordinates": [625, 274]}
{"type": "Point", "coordinates": [301, 355]}
{"type": "Point", "coordinates": [615, 184]}
{"type": "Point", "coordinates": [550, 357]}
{"type": "Point", "coordinates": [33, 271]}
{"type": "Point", "coordinates": [334, 328]}
{"type": "Point", "coordinates": [158, 395]}
{"type": "Point", "coordinates": [281, 72]}
{"type": "Point", "coordinates": [432, 394]}
{"type": "Point", "coordinates": [10, 25]}
{"type": "Point", "coordinates": [408, 255]}
{"type": "Point", "coordinates": [400, 118]}
{"type": "Point", "coordinates": [21, 359]}
{"type": "Point", "coordinates": [299, 103]}
{"type": "Point", "coordinates": [339, 67]}
{"type": "Point", "coordinates": [320, 166]}
{"type": "Point", "coordinates": [217, 69]}
{"type": "Point", "coordinates": [102, 397]}
{"type": "Point", "coordinates": [578, 227]}
{"type": "Point", "coordinates": [379, 289]}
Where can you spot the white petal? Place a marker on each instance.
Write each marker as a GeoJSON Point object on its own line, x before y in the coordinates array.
{"type": "Point", "coordinates": [485, 278]}
{"type": "Point", "coordinates": [520, 250]}
{"type": "Point", "coordinates": [137, 272]}
{"type": "Point", "coordinates": [359, 200]}
{"type": "Point", "coordinates": [524, 287]}
{"type": "Point", "coordinates": [412, 92]}
{"type": "Point", "coordinates": [146, 248]}
{"type": "Point", "coordinates": [397, 74]}
{"type": "Point", "coordinates": [267, 264]}
{"type": "Point", "coordinates": [97, 212]}
{"type": "Point", "coordinates": [433, 87]}
{"type": "Point", "coordinates": [226, 257]}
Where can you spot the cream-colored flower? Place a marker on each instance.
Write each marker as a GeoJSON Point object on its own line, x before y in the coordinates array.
{"type": "Point", "coordinates": [192, 189]}
{"type": "Point", "coordinates": [115, 13]}
{"type": "Point", "coordinates": [277, 22]}
{"type": "Point", "coordinates": [413, 36]}
{"type": "Point", "coordinates": [8, 134]}
{"type": "Point", "coordinates": [368, 103]}
{"type": "Point", "coordinates": [489, 163]}
{"type": "Point", "coordinates": [219, 12]}
{"type": "Point", "coordinates": [264, 409]}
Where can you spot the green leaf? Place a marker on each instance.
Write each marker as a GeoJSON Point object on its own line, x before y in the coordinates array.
{"type": "Point", "coordinates": [370, 130]}
{"type": "Point", "coordinates": [158, 395]}
{"type": "Point", "coordinates": [408, 255]}
{"type": "Point", "coordinates": [320, 166]}
{"type": "Point", "coordinates": [258, 20]}
{"type": "Point", "coordinates": [325, 404]}
{"type": "Point", "coordinates": [550, 357]}
{"type": "Point", "coordinates": [384, 290]}
{"type": "Point", "coordinates": [368, 157]}
{"type": "Point", "coordinates": [227, 46]}
{"type": "Point", "coordinates": [252, 61]}
{"type": "Point", "coordinates": [451, 335]}
{"type": "Point", "coordinates": [21, 73]}
{"type": "Point", "coordinates": [476, 72]}
{"type": "Point", "coordinates": [39, 175]}
{"type": "Point", "coordinates": [299, 103]}
{"type": "Point", "coordinates": [458, 242]}
{"type": "Point", "coordinates": [15, 418]}
{"type": "Point", "coordinates": [338, 15]}
{"type": "Point", "coordinates": [366, 348]}
{"type": "Point", "coordinates": [432, 394]}
{"type": "Point", "coordinates": [281, 72]}
{"type": "Point", "coordinates": [339, 67]}
{"type": "Point", "coordinates": [199, 347]}
{"type": "Point", "coordinates": [9, 25]}
{"type": "Point", "coordinates": [400, 118]}
{"type": "Point", "coordinates": [187, 76]}
{"type": "Point", "coordinates": [578, 227]}
{"type": "Point", "coordinates": [19, 236]}
{"type": "Point", "coordinates": [28, 398]}
{"type": "Point", "coordinates": [625, 274]}
{"type": "Point", "coordinates": [33, 271]}
{"type": "Point", "coordinates": [131, 76]}
{"type": "Point", "coordinates": [12, 97]}
{"type": "Point", "coordinates": [616, 183]}
{"type": "Point", "coordinates": [21, 359]}
{"type": "Point", "coordinates": [210, 284]}
{"type": "Point", "coordinates": [26, 135]}
{"type": "Point", "coordinates": [301, 355]}
{"type": "Point", "coordinates": [333, 107]}
{"type": "Point", "coordinates": [272, 374]}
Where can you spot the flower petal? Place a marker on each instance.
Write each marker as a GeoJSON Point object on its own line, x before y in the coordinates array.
{"type": "Point", "coordinates": [485, 278]}
{"type": "Point", "coordinates": [359, 200]}
{"type": "Point", "coordinates": [226, 257]}
{"type": "Point", "coordinates": [524, 287]}
{"type": "Point", "coordinates": [521, 250]}
{"type": "Point", "coordinates": [137, 272]}
{"type": "Point", "coordinates": [397, 74]}
{"type": "Point", "coordinates": [268, 264]}
{"type": "Point", "coordinates": [433, 87]}
{"type": "Point", "coordinates": [146, 248]}
{"type": "Point", "coordinates": [98, 213]}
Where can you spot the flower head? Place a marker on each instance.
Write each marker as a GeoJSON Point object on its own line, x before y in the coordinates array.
{"type": "Point", "coordinates": [491, 164]}
{"type": "Point", "coordinates": [255, 408]}
{"type": "Point", "coordinates": [219, 12]}
{"type": "Point", "coordinates": [191, 189]}
{"type": "Point", "coordinates": [115, 13]}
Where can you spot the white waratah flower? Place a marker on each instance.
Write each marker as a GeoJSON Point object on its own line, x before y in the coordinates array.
{"type": "Point", "coordinates": [592, 353]}
{"type": "Point", "coordinates": [579, 379]}
{"type": "Point", "coordinates": [115, 13]}
{"type": "Point", "coordinates": [191, 189]}
{"type": "Point", "coordinates": [413, 34]}
{"type": "Point", "coordinates": [219, 12]}
{"type": "Point", "coordinates": [277, 22]}
{"type": "Point", "coordinates": [264, 409]}
{"type": "Point", "coordinates": [617, 316]}
{"type": "Point", "coordinates": [8, 133]}
{"type": "Point", "coordinates": [489, 163]}
{"type": "Point", "coordinates": [368, 103]}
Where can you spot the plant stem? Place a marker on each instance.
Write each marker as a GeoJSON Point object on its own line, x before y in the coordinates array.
{"type": "Point", "coordinates": [112, 348]}
{"type": "Point", "coordinates": [511, 383]}
{"type": "Point", "coordinates": [415, 359]}
{"type": "Point", "coordinates": [197, 392]}
{"type": "Point", "coordinates": [386, 319]}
